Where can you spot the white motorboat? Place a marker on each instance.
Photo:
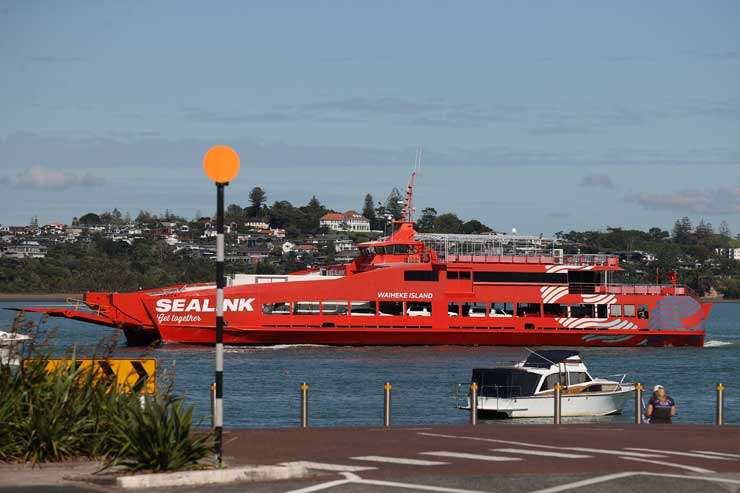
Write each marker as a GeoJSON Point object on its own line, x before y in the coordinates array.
{"type": "Point", "coordinates": [526, 388]}
{"type": "Point", "coordinates": [10, 344]}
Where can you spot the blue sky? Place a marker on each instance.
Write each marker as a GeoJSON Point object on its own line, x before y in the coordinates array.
{"type": "Point", "coordinates": [540, 116]}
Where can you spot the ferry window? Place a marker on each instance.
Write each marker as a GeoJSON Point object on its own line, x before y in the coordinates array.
{"type": "Point", "coordinates": [629, 310]}
{"type": "Point", "coordinates": [400, 249]}
{"type": "Point", "coordinates": [362, 308]}
{"type": "Point", "coordinates": [474, 310]}
{"type": "Point", "coordinates": [421, 275]}
{"type": "Point", "coordinates": [334, 307]}
{"type": "Point", "coordinates": [453, 275]}
{"type": "Point", "coordinates": [527, 309]}
{"type": "Point", "coordinates": [380, 250]}
{"type": "Point", "coordinates": [465, 275]}
{"type": "Point", "coordinates": [419, 309]}
{"type": "Point", "coordinates": [453, 309]}
{"type": "Point", "coordinates": [502, 309]}
{"type": "Point", "coordinates": [390, 308]}
{"type": "Point", "coordinates": [516, 277]}
{"type": "Point", "coordinates": [616, 310]}
{"type": "Point", "coordinates": [642, 312]}
{"type": "Point", "coordinates": [306, 308]}
{"type": "Point", "coordinates": [279, 308]}
{"type": "Point", "coordinates": [555, 310]}
{"type": "Point", "coordinates": [576, 377]}
{"type": "Point", "coordinates": [582, 311]}
{"type": "Point", "coordinates": [600, 311]}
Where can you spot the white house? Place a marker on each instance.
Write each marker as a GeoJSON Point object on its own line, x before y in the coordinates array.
{"type": "Point", "coordinates": [349, 221]}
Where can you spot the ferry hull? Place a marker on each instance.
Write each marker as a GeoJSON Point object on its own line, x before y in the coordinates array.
{"type": "Point", "coordinates": [375, 337]}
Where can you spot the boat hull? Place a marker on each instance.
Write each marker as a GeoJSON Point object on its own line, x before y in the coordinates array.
{"type": "Point", "coordinates": [422, 337]}
{"type": "Point", "coordinates": [583, 404]}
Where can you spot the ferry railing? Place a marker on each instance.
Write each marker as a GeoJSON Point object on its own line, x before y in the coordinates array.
{"type": "Point", "coordinates": [533, 259]}
{"type": "Point", "coordinates": [640, 289]}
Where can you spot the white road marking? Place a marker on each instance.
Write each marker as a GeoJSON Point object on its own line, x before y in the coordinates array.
{"type": "Point", "coordinates": [543, 453]}
{"type": "Point", "coordinates": [670, 464]}
{"type": "Point", "coordinates": [525, 444]}
{"type": "Point", "coordinates": [322, 486]}
{"type": "Point", "coordinates": [723, 454]}
{"type": "Point", "coordinates": [461, 455]}
{"type": "Point", "coordinates": [585, 482]}
{"type": "Point", "coordinates": [609, 477]}
{"type": "Point", "coordinates": [400, 460]}
{"type": "Point", "coordinates": [321, 466]}
{"type": "Point", "coordinates": [684, 454]}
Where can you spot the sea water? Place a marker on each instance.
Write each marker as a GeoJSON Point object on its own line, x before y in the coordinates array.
{"type": "Point", "coordinates": [261, 384]}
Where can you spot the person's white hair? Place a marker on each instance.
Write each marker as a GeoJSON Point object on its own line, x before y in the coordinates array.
{"type": "Point", "coordinates": [658, 387]}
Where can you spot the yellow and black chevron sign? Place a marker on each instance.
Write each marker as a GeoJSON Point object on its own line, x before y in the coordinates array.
{"type": "Point", "coordinates": [138, 376]}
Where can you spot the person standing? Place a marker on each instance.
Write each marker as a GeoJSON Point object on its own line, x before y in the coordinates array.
{"type": "Point", "coordinates": [661, 407]}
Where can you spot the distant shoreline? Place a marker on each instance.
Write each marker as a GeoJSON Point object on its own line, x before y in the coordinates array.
{"type": "Point", "coordinates": [78, 296]}
{"type": "Point", "coordinates": [39, 296]}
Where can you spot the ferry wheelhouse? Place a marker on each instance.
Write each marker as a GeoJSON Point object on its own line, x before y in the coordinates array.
{"type": "Point", "coordinates": [418, 289]}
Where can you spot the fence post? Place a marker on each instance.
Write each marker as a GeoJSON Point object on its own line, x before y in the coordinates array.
{"type": "Point", "coordinates": [387, 404]}
{"type": "Point", "coordinates": [473, 403]}
{"type": "Point", "coordinates": [720, 416]}
{"type": "Point", "coordinates": [638, 403]}
{"type": "Point", "coordinates": [557, 403]}
{"type": "Point", "coordinates": [304, 405]}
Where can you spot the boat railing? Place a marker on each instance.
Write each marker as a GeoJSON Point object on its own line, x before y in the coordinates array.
{"type": "Point", "coordinates": [462, 393]}
{"type": "Point", "coordinates": [578, 260]}
{"type": "Point", "coordinates": [638, 289]}
{"type": "Point", "coordinates": [78, 304]}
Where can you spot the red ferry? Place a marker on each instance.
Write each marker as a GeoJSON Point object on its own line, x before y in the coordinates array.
{"type": "Point", "coordinates": [418, 289]}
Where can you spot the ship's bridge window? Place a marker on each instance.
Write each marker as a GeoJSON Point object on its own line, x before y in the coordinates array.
{"type": "Point", "coordinates": [642, 312]}
{"type": "Point", "coordinates": [419, 309]}
{"type": "Point", "coordinates": [601, 311]}
{"type": "Point", "coordinates": [421, 275]}
{"type": "Point", "coordinates": [629, 310]}
{"type": "Point", "coordinates": [380, 250]}
{"type": "Point", "coordinates": [367, 252]}
{"type": "Point", "coordinates": [502, 309]}
{"type": "Point", "coordinates": [279, 308]}
{"type": "Point", "coordinates": [555, 310]}
{"type": "Point", "coordinates": [390, 308]}
{"type": "Point", "coordinates": [582, 311]}
{"type": "Point", "coordinates": [362, 308]}
{"type": "Point", "coordinates": [334, 308]}
{"type": "Point", "coordinates": [400, 249]}
{"type": "Point", "coordinates": [474, 309]}
{"type": "Point", "coordinates": [458, 274]}
{"type": "Point", "coordinates": [306, 308]}
{"type": "Point", "coordinates": [615, 310]}
{"type": "Point", "coordinates": [527, 309]}
{"type": "Point", "coordinates": [549, 381]}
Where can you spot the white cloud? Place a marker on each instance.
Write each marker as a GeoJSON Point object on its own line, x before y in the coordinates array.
{"type": "Point", "coordinates": [42, 177]}
{"type": "Point", "coordinates": [721, 200]}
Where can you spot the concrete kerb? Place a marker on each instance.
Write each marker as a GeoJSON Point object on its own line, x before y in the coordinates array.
{"type": "Point", "coordinates": [213, 476]}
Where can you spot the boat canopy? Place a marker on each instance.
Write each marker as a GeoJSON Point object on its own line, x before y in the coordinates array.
{"type": "Point", "coordinates": [547, 358]}
{"type": "Point", "coordinates": [505, 382]}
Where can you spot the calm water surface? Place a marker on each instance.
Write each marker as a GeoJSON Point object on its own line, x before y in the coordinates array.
{"type": "Point", "coordinates": [261, 384]}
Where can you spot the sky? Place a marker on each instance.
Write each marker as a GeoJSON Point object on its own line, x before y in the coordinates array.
{"type": "Point", "coordinates": [544, 116]}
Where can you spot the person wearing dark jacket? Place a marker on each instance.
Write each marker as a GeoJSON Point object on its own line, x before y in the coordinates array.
{"type": "Point", "coordinates": [661, 407]}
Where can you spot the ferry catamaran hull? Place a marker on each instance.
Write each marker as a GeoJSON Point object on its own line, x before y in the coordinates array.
{"type": "Point", "coordinates": [418, 289]}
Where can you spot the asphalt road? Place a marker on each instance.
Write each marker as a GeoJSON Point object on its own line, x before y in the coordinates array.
{"type": "Point", "coordinates": [486, 458]}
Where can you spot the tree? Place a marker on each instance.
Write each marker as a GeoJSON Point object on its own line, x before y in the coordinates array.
{"type": "Point", "coordinates": [144, 217]}
{"type": "Point", "coordinates": [475, 227]}
{"type": "Point", "coordinates": [257, 199]}
{"type": "Point", "coordinates": [368, 210]}
{"type": "Point", "coordinates": [682, 230]}
{"type": "Point", "coordinates": [448, 223]}
{"type": "Point", "coordinates": [89, 219]}
{"type": "Point", "coordinates": [394, 204]}
{"type": "Point", "coordinates": [425, 224]}
{"type": "Point", "coordinates": [704, 229]}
